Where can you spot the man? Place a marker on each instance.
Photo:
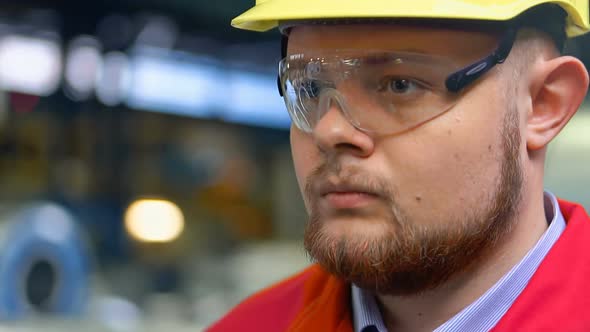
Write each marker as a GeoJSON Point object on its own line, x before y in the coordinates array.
{"type": "Point", "coordinates": [419, 136]}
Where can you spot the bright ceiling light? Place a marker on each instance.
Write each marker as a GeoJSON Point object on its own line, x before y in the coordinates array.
{"type": "Point", "coordinates": [30, 65]}
{"type": "Point", "coordinates": [113, 79]}
{"type": "Point", "coordinates": [152, 220]}
{"type": "Point", "coordinates": [84, 62]}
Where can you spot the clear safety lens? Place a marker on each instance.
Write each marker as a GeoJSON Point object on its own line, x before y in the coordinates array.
{"type": "Point", "coordinates": [378, 92]}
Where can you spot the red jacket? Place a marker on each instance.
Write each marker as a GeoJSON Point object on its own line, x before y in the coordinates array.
{"type": "Point", "coordinates": [556, 298]}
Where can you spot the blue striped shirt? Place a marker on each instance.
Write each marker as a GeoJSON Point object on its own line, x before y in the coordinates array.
{"type": "Point", "coordinates": [485, 312]}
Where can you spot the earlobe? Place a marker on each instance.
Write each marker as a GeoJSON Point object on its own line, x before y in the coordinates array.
{"type": "Point", "coordinates": [560, 88]}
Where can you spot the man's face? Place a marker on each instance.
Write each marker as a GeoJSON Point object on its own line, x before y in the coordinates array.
{"type": "Point", "coordinates": [402, 214]}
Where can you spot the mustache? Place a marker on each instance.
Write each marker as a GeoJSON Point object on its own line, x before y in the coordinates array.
{"type": "Point", "coordinates": [333, 176]}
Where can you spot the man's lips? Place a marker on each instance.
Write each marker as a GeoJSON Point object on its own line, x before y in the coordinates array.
{"type": "Point", "coordinates": [345, 196]}
{"type": "Point", "coordinates": [348, 200]}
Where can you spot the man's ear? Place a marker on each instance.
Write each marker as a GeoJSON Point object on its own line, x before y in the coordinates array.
{"type": "Point", "coordinates": [559, 87]}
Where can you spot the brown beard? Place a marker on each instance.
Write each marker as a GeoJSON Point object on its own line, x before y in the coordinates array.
{"type": "Point", "coordinates": [406, 258]}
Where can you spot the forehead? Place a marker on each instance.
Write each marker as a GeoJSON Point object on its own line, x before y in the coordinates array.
{"type": "Point", "coordinates": [389, 37]}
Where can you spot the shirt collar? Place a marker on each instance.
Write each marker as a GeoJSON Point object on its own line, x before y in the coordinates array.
{"type": "Point", "coordinates": [486, 311]}
{"type": "Point", "coordinates": [365, 311]}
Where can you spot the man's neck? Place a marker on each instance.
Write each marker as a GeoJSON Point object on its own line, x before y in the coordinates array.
{"type": "Point", "coordinates": [427, 311]}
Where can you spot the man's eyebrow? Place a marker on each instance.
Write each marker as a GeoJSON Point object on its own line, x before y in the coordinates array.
{"type": "Point", "coordinates": [416, 51]}
{"type": "Point", "coordinates": [298, 64]}
{"type": "Point", "coordinates": [374, 58]}
{"type": "Point", "coordinates": [388, 56]}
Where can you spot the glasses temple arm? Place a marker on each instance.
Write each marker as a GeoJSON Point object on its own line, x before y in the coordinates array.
{"type": "Point", "coordinates": [462, 78]}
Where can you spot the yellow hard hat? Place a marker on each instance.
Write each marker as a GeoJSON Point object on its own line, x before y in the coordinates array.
{"type": "Point", "coordinates": [267, 14]}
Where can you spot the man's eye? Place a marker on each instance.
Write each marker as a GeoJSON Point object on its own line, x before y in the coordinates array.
{"type": "Point", "coordinates": [401, 85]}
{"type": "Point", "coordinates": [312, 88]}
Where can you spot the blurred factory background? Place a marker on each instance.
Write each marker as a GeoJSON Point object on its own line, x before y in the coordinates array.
{"type": "Point", "coordinates": [145, 173]}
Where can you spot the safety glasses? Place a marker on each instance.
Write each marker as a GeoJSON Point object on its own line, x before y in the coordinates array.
{"type": "Point", "coordinates": [381, 93]}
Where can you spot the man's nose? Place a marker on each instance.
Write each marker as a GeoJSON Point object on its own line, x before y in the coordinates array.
{"type": "Point", "coordinates": [335, 133]}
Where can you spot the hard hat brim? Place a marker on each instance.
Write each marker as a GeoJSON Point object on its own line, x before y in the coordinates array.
{"type": "Point", "coordinates": [267, 14]}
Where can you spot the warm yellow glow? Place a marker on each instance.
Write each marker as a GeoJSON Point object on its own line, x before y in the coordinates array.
{"type": "Point", "coordinates": [151, 220]}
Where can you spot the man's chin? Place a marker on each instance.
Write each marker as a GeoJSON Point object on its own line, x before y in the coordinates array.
{"type": "Point", "coordinates": [372, 253]}
{"type": "Point", "coordinates": [355, 227]}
